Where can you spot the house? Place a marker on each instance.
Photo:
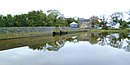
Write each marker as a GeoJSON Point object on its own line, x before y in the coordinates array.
{"type": "Point", "coordinates": [128, 25]}
{"type": "Point", "coordinates": [85, 23]}
{"type": "Point", "coordinates": [113, 25]}
{"type": "Point", "coordinates": [73, 25]}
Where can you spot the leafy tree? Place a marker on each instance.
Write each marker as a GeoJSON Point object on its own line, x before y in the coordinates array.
{"type": "Point", "coordinates": [117, 17]}
{"type": "Point", "coordinates": [50, 20]}
{"type": "Point", "coordinates": [70, 20]}
{"type": "Point", "coordinates": [123, 25]}
{"type": "Point", "coordinates": [9, 20]}
{"type": "Point", "coordinates": [21, 20]}
{"type": "Point", "coordinates": [54, 13]}
{"type": "Point", "coordinates": [94, 20]}
{"type": "Point", "coordinates": [103, 22]}
{"type": "Point", "coordinates": [61, 22]}
{"type": "Point", "coordinates": [2, 24]}
{"type": "Point", "coordinates": [56, 17]}
{"type": "Point", "coordinates": [34, 19]}
{"type": "Point", "coordinates": [5, 22]}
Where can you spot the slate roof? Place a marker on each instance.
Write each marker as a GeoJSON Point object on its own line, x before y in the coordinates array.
{"type": "Point", "coordinates": [84, 20]}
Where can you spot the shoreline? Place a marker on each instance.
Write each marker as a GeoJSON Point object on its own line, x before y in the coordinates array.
{"type": "Point", "coordinates": [25, 32]}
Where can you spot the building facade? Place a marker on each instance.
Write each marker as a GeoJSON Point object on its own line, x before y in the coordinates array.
{"type": "Point", "coordinates": [85, 23]}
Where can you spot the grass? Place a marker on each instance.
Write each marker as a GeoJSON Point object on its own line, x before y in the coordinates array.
{"type": "Point", "coordinates": [21, 35]}
{"type": "Point", "coordinates": [31, 34]}
{"type": "Point", "coordinates": [128, 28]}
{"type": "Point", "coordinates": [110, 30]}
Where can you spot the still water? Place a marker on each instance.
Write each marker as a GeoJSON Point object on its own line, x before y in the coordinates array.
{"type": "Point", "coordinates": [71, 49]}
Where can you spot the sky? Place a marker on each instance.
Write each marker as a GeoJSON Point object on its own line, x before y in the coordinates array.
{"type": "Point", "coordinates": [70, 8]}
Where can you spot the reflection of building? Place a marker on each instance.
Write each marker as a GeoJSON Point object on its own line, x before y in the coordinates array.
{"type": "Point", "coordinates": [85, 23]}
{"type": "Point", "coordinates": [84, 37]}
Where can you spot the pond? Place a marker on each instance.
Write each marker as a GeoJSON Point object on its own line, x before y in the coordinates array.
{"type": "Point", "coordinates": [71, 49]}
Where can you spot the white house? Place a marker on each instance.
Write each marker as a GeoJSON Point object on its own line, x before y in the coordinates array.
{"type": "Point", "coordinates": [73, 25]}
{"type": "Point", "coordinates": [129, 25]}
{"type": "Point", "coordinates": [116, 26]}
{"type": "Point", "coordinates": [113, 25]}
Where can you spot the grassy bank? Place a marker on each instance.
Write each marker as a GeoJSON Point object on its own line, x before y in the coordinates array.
{"type": "Point", "coordinates": [110, 30]}
{"type": "Point", "coordinates": [22, 35]}
{"type": "Point", "coordinates": [22, 32]}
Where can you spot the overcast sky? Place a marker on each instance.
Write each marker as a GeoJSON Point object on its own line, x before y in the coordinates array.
{"type": "Point", "coordinates": [70, 8]}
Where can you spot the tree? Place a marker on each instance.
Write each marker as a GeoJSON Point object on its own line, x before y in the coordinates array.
{"type": "Point", "coordinates": [56, 17]}
{"type": "Point", "coordinates": [49, 21]}
{"type": "Point", "coordinates": [61, 22]}
{"type": "Point", "coordinates": [123, 24]}
{"type": "Point", "coordinates": [10, 20]}
{"type": "Point", "coordinates": [36, 18]}
{"type": "Point", "coordinates": [115, 17]}
{"type": "Point", "coordinates": [21, 20]}
{"type": "Point", "coordinates": [128, 17]}
{"type": "Point", "coordinates": [103, 22]}
{"type": "Point", "coordinates": [128, 13]}
{"type": "Point", "coordinates": [2, 24]}
{"type": "Point", "coordinates": [94, 20]}
{"type": "Point", "coordinates": [54, 13]}
{"type": "Point", "coordinates": [70, 20]}
{"type": "Point", "coordinates": [33, 19]}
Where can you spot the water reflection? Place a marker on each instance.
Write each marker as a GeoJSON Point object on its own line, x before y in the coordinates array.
{"type": "Point", "coordinates": [50, 43]}
{"type": "Point", "coordinates": [115, 40]}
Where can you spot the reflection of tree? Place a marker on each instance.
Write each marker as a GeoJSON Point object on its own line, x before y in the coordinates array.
{"type": "Point", "coordinates": [53, 44]}
{"type": "Point", "coordinates": [73, 39]}
{"type": "Point", "coordinates": [37, 46]}
{"type": "Point", "coordinates": [118, 42]}
{"type": "Point", "coordinates": [123, 35]}
{"type": "Point", "coordinates": [93, 38]}
{"type": "Point", "coordinates": [70, 39]}
{"type": "Point", "coordinates": [103, 40]}
{"type": "Point", "coordinates": [127, 48]}
{"type": "Point", "coordinates": [38, 43]}
{"type": "Point", "coordinates": [115, 41]}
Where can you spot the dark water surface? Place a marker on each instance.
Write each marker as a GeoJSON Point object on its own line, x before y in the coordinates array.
{"type": "Point", "coordinates": [71, 49]}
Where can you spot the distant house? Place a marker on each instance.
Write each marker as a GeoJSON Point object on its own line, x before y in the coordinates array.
{"type": "Point", "coordinates": [110, 24]}
{"type": "Point", "coordinates": [128, 25]}
{"type": "Point", "coordinates": [113, 25]}
{"type": "Point", "coordinates": [85, 23]}
{"type": "Point", "coordinates": [73, 25]}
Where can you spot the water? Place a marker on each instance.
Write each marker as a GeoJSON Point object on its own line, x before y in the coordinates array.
{"type": "Point", "coordinates": [71, 49]}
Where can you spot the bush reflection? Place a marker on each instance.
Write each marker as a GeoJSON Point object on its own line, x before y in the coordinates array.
{"type": "Point", "coordinates": [50, 43]}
